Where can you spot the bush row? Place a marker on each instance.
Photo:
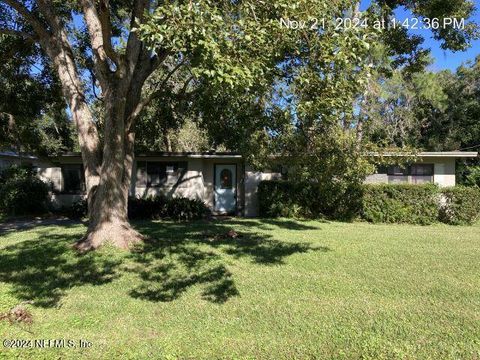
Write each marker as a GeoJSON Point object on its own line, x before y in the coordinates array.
{"type": "Point", "coordinates": [161, 207]}
{"type": "Point", "coordinates": [414, 204]}
{"type": "Point", "coordinates": [311, 200]}
{"type": "Point", "coordinates": [22, 192]}
{"type": "Point", "coordinates": [154, 207]}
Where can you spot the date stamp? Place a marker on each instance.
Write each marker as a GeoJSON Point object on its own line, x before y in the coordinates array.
{"type": "Point", "coordinates": [347, 23]}
{"type": "Point", "coordinates": [46, 343]}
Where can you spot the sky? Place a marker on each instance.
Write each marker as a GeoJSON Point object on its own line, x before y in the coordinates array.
{"type": "Point", "coordinates": [443, 59]}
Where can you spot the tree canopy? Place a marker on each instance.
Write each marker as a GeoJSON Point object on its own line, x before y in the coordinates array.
{"type": "Point", "coordinates": [230, 67]}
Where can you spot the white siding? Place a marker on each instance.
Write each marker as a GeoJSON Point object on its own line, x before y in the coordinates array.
{"type": "Point", "coordinates": [252, 179]}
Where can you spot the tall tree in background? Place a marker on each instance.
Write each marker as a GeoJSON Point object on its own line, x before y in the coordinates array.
{"type": "Point", "coordinates": [32, 111]}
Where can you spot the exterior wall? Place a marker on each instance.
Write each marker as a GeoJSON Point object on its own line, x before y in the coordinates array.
{"type": "Point", "coordinates": [198, 181]}
{"type": "Point", "coordinates": [443, 174]}
{"type": "Point", "coordinates": [52, 173]}
{"type": "Point", "coordinates": [189, 185]}
{"type": "Point", "coordinates": [209, 183]}
{"type": "Point", "coordinates": [252, 179]}
{"type": "Point", "coordinates": [377, 179]}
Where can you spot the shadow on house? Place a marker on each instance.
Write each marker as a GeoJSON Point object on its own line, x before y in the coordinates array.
{"type": "Point", "coordinates": [42, 270]}
{"type": "Point", "coordinates": [178, 256]}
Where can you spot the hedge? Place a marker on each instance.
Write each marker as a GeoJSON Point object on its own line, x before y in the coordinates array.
{"type": "Point", "coordinates": [22, 192]}
{"type": "Point", "coordinates": [311, 200]}
{"type": "Point", "coordinates": [413, 204]}
{"type": "Point", "coordinates": [460, 205]}
{"type": "Point", "coordinates": [161, 207]}
{"type": "Point", "coordinates": [152, 207]}
{"type": "Point", "coordinates": [382, 203]}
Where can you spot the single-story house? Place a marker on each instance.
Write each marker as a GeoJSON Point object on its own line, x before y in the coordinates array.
{"type": "Point", "coordinates": [221, 179]}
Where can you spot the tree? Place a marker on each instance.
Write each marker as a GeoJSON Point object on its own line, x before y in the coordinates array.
{"type": "Point", "coordinates": [120, 62]}
{"type": "Point", "coordinates": [32, 111]}
{"type": "Point", "coordinates": [113, 53]}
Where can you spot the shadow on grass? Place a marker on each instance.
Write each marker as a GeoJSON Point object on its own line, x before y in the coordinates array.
{"type": "Point", "coordinates": [42, 270]}
{"type": "Point", "coordinates": [176, 257]}
{"type": "Point", "coordinates": [181, 255]}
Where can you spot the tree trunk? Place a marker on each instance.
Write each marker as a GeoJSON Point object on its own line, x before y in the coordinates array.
{"type": "Point", "coordinates": [108, 220]}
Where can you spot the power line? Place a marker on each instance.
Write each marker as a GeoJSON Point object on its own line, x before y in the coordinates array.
{"type": "Point", "coordinates": [471, 147]}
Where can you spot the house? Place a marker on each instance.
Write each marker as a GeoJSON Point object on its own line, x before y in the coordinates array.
{"type": "Point", "coordinates": [9, 158]}
{"type": "Point", "coordinates": [221, 179]}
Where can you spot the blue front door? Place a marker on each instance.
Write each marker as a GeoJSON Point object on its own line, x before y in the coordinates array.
{"type": "Point", "coordinates": [225, 188]}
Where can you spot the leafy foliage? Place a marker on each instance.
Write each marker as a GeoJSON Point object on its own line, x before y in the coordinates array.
{"type": "Point", "coordinates": [414, 204]}
{"type": "Point", "coordinates": [152, 207]}
{"type": "Point", "coordinates": [461, 205]}
{"type": "Point", "coordinates": [387, 203]}
{"type": "Point", "coordinates": [472, 177]}
{"type": "Point", "coordinates": [161, 207]}
{"type": "Point", "coordinates": [308, 199]}
{"type": "Point", "coordinates": [32, 114]}
{"type": "Point", "coordinates": [22, 192]}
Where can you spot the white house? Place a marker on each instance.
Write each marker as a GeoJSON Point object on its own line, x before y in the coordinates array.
{"type": "Point", "coordinates": [221, 179]}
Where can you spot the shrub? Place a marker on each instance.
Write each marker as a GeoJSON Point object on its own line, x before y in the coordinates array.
{"type": "Point", "coordinates": [158, 207]}
{"type": "Point", "coordinates": [308, 199]}
{"type": "Point", "coordinates": [147, 208]}
{"type": "Point", "coordinates": [460, 205]}
{"type": "Point", "coordinates": [180, 208]}
{"type": "Point", "coordinates": [413, 204]}
{"type": "Point", "coordinates": [472, 178]}
{"type": "Point", "coordinates": [78, 210]}
{"type": "Point", "coordinates": [22, 192]}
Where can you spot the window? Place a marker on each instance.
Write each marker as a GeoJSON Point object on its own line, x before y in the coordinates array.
{"type": "Point", "coordinates": [226, 179]}
{"type": "Point", "coordinates": [158, 174]}
{"type": "Point", "coordinates": [73, 179]}
{"type": "Point", "coordinates": [397, 174]}
{"type": "Point", "coordinates": [421, 173]}
{"type": "Point", "coordinates": [422, 170]}
{"type": "Point", "coordinates": [398, 171]}
{"type": "Point", "coordinates": [414, 174]}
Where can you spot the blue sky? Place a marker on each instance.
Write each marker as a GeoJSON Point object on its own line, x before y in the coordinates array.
{"type": "Point", "coordinates": [443, 59]}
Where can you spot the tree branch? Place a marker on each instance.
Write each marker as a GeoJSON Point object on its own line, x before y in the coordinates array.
{"type": "Point", "coordinates": [36, 24]}
{"type": "Point", "coordinates": [134, 44]}
{"type": "Point", "coordinates": [95, 29]}
{"type": "Point", "coordinates": [17, 33]}
{"type": "Point", "coordinates": [154, 94]}
{"type": "Point", "coordinates": [104, 16]}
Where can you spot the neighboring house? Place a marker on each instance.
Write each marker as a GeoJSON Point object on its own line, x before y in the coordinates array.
{"type": "Point", "coordinates": [222, 180]}
{"type": "Point", "coordinates": [9, 158]}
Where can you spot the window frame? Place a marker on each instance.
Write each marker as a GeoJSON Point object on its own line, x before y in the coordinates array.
{"type": "Point", "coordinates": [409, 174]}
{"type": "Point", "coordinates": [145, 180]}
{"type": "Point", "coordinates": [82, 184]}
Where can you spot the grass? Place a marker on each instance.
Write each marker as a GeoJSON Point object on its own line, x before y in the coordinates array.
{"type": "Point", "coordinates": [285, 289]}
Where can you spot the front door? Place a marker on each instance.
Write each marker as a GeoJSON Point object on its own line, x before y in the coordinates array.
{"type": "Point", "coordinates": [225, 188]}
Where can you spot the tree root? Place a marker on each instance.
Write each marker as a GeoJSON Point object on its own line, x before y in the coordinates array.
{"type": "Point", "coordinates": [120, 235]}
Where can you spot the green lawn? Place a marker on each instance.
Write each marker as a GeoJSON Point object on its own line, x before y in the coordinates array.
{"type": "Point", "coordinates": [283, 290]}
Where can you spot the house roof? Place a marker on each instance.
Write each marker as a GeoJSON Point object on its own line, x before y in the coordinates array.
{"type": "Point", "coordinates": [236, 155]}
{"type": "Point", "coordinates": [11, 154]}
{"type": "Point", "coordinates": [451, 154]}
{"type": "Point", "coordinates": [191, 154]}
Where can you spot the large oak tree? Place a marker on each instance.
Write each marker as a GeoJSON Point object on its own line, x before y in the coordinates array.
{"type": "Point", "coordinates": [233, 48]}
